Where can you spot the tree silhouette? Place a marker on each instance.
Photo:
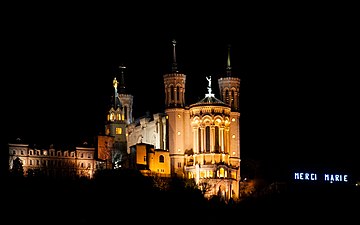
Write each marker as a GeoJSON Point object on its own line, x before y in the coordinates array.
{"type": "Point", "coordinates": [17, 170]}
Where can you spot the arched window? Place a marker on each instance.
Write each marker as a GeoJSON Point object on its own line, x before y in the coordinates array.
{"type": "Point", "coordinates": [232, 98]}
{"type": "Point", "coordinates": [125, 113]}
{"type": "Point", "coordinates": [227, 97]}
{"type": "Point", "coordinates": [217, 142]}
{"type": "Point", "coordinates": [171, 93]}
{"type": "Point", "coordinates": [178, 94]}
{"type": "Point", "coordinates": [221, 172]}
{"type": "Point", "coordinates": [207, 137]}
{"type": "Point", "coordinates": [199, 139]}
{"type": "Point", "coordinates": [161, 158]}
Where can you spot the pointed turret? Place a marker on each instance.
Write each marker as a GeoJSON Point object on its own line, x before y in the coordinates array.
{"type": "Point", "coordinates": [228, 64]}
{"type": "Point", "coordinates": [125, 98]}
{"type": "Point", "coordinates": [122, 80]}
{"type": "Point", "coordinates": [229, 86]}
{"type": "Point", "coordinates": [174, 85]}
{"type": "Point", "coordinates": [174, 64]}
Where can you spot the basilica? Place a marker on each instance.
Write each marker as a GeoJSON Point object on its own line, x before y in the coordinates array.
{"type": "Point", "coordinates": [198, 140]}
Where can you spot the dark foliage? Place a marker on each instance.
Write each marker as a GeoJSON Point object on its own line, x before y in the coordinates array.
{"type": "Point", "coordinates": [127, 195]}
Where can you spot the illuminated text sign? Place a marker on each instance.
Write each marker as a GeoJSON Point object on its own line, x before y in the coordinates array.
{"type": "Point", "coordinates": [327, 177]}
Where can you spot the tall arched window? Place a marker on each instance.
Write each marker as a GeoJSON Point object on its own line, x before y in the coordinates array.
{"type": "Point", "coordinates": [171, 93]}
{"type": "Point", "coordinates": [178, 94]}
{"type": "Point", "coordinates": [207, 137]}
{"type": "Point", "coordinates": [227, 97]}
{"type": "Point", "coordinates": [232, 97]}
{"type": "Point", "coordinates": [199, 139]}
{"type": "Point", "coordinates": [217, 142]}
{"type": "Point", "coordinates": [125, 113]}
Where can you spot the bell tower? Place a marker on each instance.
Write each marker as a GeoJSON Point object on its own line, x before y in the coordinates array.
{"type": "Point", "coordinates": [229, 87]}
{"type": "Point", "coordinates": [178, 129]}
{"type": "Point", "coordinates": [118, 117]}
{"type": "Point", "coordinates": [174, 85]}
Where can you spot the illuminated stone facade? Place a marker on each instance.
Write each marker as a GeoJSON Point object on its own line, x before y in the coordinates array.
{"type": "Point", "coordinates": [150, 161]}
{"type": "Point", "coordinates": [53, 162]}
{"type": "Point", "coordinates": [202, 139]}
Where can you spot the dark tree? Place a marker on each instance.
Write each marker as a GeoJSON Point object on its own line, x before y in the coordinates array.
{"type": "Point", "coordinates": [17, 169]}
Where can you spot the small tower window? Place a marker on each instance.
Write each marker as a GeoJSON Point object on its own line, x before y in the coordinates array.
{"type": "Point", "coordinates": [161, 158]}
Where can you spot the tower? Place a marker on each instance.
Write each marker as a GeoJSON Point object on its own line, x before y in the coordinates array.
{"type": "Point", "coordinates": [178, 131]}
{"type": "Point", "coordinates": [229, 87]}
{"type": "Point", "coordinates": [118, 117]}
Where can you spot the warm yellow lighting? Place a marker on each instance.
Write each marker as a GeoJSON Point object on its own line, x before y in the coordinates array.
{"type": "Point", "coordinates": [118, 130]}
{"type": "Point", "coordinates": [234, 153]}
{"type": "Point", "coordinates": [112, 116]}
{"type": "Point", "coordinates": [233, 136]}
{"type": "Point", "coordinates": [178, 132]}
{"type": "Point", "coordinates": [179, 116]}
{"type": "Point", "coordinates": [233, 119]}
{"type": "Point", "coordinates": [179, 150]}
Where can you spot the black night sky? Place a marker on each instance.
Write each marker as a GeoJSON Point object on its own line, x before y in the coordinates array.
{"type": "Point", "coordinates": [298, 90]}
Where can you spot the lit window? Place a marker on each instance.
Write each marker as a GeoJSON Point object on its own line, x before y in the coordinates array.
{"type": "Point", "coordinates": [118, 130]}
{"type": "Point", "coordinates": [222, 172]}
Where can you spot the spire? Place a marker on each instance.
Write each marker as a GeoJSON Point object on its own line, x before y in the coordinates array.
{"type": "Point", "coordinates": [228, 66]}
{"type": "Point", "coordinates": [174, 64]}
{"type": "Point", "coordinates": [122, 81]}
